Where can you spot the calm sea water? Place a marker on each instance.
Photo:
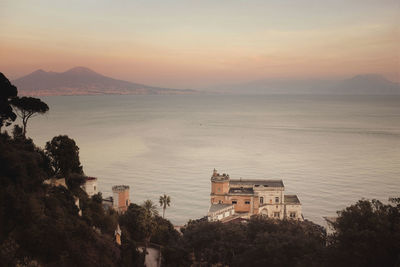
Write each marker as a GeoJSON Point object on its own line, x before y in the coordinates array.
{"type": "Point", "coordinates": [329, 150]}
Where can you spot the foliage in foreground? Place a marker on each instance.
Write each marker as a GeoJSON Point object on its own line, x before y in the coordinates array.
{"type": "Point", "coordinates": [367, 234]}
{"type": "Point", "coordinates": [260, 242]}
{"type": "Point", "coordinates": [40, 223]}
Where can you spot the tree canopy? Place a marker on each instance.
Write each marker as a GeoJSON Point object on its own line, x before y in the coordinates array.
{"type": "Point", "coordinates": [7, 92]}
{"type": "Point", "coordinates": [260, 242]}
{"type": "Point", "coordinates": [64, 155]}
{"type": "Point", "coordinates": [27, 107]}
{"type": "Point", "coordinates": [40, 224]}
{"type": "Point", "coordinates": [367, 234]}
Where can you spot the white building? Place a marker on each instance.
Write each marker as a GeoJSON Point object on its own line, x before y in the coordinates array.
{"type": "Point", "coordinates": [90, 186]}
{"type": "Point", "coordinates": [290, 208]}
{"type": "Point", "coordinates": [218, 212]}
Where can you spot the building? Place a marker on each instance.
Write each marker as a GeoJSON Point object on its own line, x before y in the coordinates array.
{"type": "Point", "coordinates": [250, 197]}
{"type": "Point", "coordinates": [90, 186]}
{"type": "Point", "coordinates": [118, 234]}
{"type": "Point", "coordinates": [121, 197]}
{"type": "Point", "coordinates": [218, 212]}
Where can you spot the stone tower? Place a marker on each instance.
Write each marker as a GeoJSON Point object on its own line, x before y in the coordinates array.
{"type": "Point", "coordinates": [219, 187]}
{"type": "Point", "coordinates": [121, 198]}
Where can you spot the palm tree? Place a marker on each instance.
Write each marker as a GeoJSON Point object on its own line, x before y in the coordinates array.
{"type": "Point", "coordinates": [164, 202]}
{"type": "Point", "coordinates": [150, 211]}
{"type": "Point", "coordinates": [150, 208]}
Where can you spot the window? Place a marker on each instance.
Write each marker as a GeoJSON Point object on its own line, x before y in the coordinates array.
{"type": "Point", "coordinates": [276, 214]}
{"type": "Point", "coordinates": [261, 200]}
{"type": "Point", "coordinates": [219, 189]}
{"type": "Point", "coordinates": [292, 215]}
{"type": "Point", "coordinates": [247, 202]}
{"type": "Point", "coordinates": [219, 201]}
{"type": "Point", "coordinates": [94, 187]}
{"type": "Point", "coordinates": [127, 203]}
{"type": "Point", "coordinates": [234, 201]}
{"type": "Point", "coordinates": [276, 199]}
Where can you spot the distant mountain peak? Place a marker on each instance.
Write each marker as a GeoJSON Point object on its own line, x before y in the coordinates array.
{"type": "Point", "coordinates": [39, 71]}
{"type": "Point", "coordinates": [362, 84]}
{"type": "Point", "coordinates": [80, 70]}
{"type": "Point", "coordinates": [83, 81]}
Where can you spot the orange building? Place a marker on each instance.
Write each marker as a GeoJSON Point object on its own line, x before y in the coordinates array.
{"type": "Point", "coordinates": [254, 197]}
{"type": "Point", "coordinates": [118, 234]}
{"type": "Point", "coordinates": [121, 197]}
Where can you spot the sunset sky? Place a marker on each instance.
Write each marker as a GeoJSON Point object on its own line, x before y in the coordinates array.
{"type": "Point", "coordinates": [194, 44]}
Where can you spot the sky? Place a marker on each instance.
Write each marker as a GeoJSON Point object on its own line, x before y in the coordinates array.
{"type": "Point", "coordinates": [195, 44]}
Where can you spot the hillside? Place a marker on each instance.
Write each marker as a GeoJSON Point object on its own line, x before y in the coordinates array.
{"type": "Point", "coordinates": [84, 81]}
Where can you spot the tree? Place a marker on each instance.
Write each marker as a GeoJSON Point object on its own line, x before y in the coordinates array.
{"type": "Point", "coordinates": [164, 202]}
{"type": "Point", "coordinates": [64, 155]}
{"type": "Point", "coordinates": [7, 92]}
{"type": "Point", "coordinates": [259, 242]}
{"type": "Point", "coordinates": [367, 234]}
{"type": "Point", "coordinates": [133, 229]}
{"type": "Point", "coordinates": [150, 208]}
{"type": "Point", "coordinates": [39, 224]}
{"type": "Point", "coordinates": [150, 211]}
{"type": "Point", "coordinates": [28, 107]}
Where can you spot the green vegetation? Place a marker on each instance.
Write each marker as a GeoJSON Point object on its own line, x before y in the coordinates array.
{"type": "Point", "coordinates": [40, 224]}
{"type": "Point", "coordinates": [260, 242]}
{"type": "Point", "coordinates": [367, 234]}
{"type": "Point", "coordinates": [64, 155]}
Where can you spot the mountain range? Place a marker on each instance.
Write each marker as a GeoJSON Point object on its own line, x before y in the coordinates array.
{"type": "Point", "coordinates": [366, 84]}
{"type": "Point", "coordinates": [84, 81]}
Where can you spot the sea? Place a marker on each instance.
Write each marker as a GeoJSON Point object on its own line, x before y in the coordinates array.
{"type": "Point", "coordinates": [329, 150]}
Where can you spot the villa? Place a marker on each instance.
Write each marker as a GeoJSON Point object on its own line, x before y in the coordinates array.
{"type": "Point", "coordinates": [232, 198]}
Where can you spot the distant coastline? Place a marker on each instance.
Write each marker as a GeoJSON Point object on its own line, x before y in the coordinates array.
{"type": "Point", "coordinates": [84, 81]}
{"type": "Point", "coordinates": [80, 81]}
